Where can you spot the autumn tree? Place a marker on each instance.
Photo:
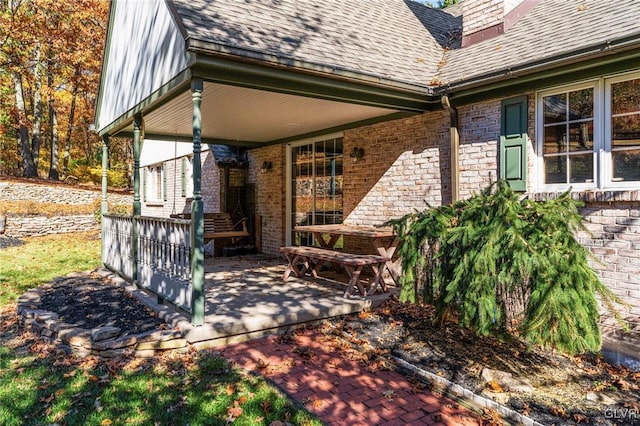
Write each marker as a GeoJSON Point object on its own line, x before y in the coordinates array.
{"type": "Point", "coordinates": [50, 57]}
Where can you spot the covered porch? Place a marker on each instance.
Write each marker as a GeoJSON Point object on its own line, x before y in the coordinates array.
{"type": "Point", "coordinates": [171, 83]}
{"type": "Point", "coordinates": [245, 298]}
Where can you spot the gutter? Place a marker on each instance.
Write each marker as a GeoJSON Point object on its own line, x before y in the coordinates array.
{"type": "Point", "coordinates": [520, 72]}
{"type": "Point", "coordinates": [265, 58]}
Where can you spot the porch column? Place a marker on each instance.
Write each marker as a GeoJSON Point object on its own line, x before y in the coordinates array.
{"type": "Point", "coordinates": [104, 205]}
{"type": "Point", "coordinates": [137, 133]}
{"type": "Point", "coordinates": [197, 212]}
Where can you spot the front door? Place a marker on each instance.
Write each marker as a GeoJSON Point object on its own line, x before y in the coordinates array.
{"type": "Point", "coordinates": [315, 189]}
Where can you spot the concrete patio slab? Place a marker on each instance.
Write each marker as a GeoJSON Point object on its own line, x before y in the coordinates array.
{"type": "Point", "coordinates": [246, 298]}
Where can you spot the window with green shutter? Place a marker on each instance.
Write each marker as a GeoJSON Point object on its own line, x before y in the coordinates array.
{"type": "Point", "coordinates": [513, 142]}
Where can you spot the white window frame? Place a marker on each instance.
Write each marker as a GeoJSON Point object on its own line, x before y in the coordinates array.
{"type": "Point", "coordinates": [601, 135]}
{"type": "Point", "coordinates": [608, 165]}
{"type": "Point", "coordinates": [154, 181]}
{"type": "Point", "coordinates": [188, 176]}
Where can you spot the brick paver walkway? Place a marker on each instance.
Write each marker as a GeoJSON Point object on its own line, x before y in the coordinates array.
{"type": "Point", "coordinates": [341, 391]}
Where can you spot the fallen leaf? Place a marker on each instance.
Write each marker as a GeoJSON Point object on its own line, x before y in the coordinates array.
{"type": "Point", "coordinates": [494, 386]}
{"type": "Point", "coordinates": [106, 422]}
{"type": "Point", "coordinates": [579, 418]}
{"type": "Point", "coordinates": [231, 389]}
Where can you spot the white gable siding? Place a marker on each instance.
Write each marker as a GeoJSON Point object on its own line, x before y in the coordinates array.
{"type": "Point", "coordinates": [145, 51]}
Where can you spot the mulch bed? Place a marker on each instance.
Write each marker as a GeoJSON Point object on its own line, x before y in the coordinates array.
{"type": "Point", "coordinates": [561, 384]}
{"type": "Point", "coordinates": [91, 301]}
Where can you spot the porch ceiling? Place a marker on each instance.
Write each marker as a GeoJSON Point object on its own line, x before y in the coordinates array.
{"type": "Point", "coordinates": [250, 116]}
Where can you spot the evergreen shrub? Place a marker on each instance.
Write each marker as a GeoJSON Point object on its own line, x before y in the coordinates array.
{"type": "Point", "coordinates": [501, 264]}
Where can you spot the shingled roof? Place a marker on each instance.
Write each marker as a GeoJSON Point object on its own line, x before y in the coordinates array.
{"type": "Point", "coordinates": [400, 40]}
{"type": "Point", "coordinates": [380, 38]}
{"type": "Point", "coordinates": [551, 29]}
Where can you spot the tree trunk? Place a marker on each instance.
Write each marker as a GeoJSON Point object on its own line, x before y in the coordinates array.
{"type": "Point", "coordinates": [36, 138]}
{"type": "Point", "coordinates": [29, 167]}
{"type": "Point", "coordinates": [67, 143]}
{"type": "Point", "coordinates": [53, 167]}
{"type": "Point", "coordinates": [53, 128]}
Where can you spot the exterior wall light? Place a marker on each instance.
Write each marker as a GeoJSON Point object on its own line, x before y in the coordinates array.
{"type": "Point", "coordinates": [266, 167]}
{"type": "Point", "coordinates": [356, 154]}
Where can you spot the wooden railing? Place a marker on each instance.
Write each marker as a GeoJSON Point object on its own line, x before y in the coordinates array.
{"type": "Point", "coordinates": [163, 264]}
{"type": "Point", "coordinates": [117, 244]}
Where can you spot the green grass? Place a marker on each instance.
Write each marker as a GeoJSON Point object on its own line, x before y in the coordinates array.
{"type": "Point", "coordinates": [39, 384]}
{"type": "Point", "coordinates": [40, 259]}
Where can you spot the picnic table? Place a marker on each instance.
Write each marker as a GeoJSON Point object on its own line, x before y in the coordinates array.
{"type": "Point", "coordinates": [383, 241]}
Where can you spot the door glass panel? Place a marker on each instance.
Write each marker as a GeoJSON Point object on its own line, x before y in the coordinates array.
{"type": "Point", "coordinates": [316, 186]}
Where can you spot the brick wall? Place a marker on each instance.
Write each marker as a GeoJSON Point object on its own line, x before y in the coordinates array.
{"type": "Point", "coordinates": [270, 194]}
{"type": "Point", "coordinates": [210, 189]}
{"type": "Point", "coordinates": [481, 14]}
{"type": "Point", "coordinates": [614, 240]}
{"type": "Point", "coordinates": [406, 163]}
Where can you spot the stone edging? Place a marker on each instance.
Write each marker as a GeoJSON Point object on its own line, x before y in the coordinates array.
{"type": "Point", "coordinates": [458, 392]}
{"type": "Point", "coordinates": [103, 342]}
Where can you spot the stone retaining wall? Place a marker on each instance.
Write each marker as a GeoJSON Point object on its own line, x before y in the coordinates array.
{"type": "Point", "coordinates": [59, 194]}
{"type": "Point", "coordinates": [28, 226]}
{"type": "Point", "coordinates": [19, 226]}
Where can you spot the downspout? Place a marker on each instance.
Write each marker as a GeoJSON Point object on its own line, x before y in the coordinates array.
{"type": "Point", "coordinates": [454, 137]}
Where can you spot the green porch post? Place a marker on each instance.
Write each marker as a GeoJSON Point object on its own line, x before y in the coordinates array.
{"type": "Point", "coordinates": [137, 133]}
{"type": "Point", "coordinates": [197, 212]}
{"type": "Point", "coordinates": [103, 205]}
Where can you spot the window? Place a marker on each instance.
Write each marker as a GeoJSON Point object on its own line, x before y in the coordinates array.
{"type": "Point", "coordinates": [154, 183]}
{"type": "Point", "coordinates": [589, 134]}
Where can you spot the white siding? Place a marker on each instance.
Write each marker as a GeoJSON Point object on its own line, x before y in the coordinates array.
{"type": "Point", "coordinates": [145, 51]}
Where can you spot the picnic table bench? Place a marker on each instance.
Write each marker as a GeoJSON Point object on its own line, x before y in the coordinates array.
{"type": "Point", "coordinates": [302, 259]}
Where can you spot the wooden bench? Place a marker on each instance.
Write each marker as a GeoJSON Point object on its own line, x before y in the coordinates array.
{"type": "Point", "coordinates": [302, 259]}
{"type": "Point", "coordinates": [220, 226]}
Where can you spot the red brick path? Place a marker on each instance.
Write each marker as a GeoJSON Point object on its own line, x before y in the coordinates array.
{"type": "Point", "coordinates": [341, 391]}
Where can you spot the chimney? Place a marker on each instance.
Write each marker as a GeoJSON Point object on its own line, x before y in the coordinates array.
{"type": "Point", "coordinates": [485, 19]}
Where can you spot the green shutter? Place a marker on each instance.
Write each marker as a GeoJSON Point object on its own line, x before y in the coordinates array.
{"type": "Point", "coordinates": [513, 142]}
{"type": "Point", "coordinates": [164, 181]}
{"type": "Point", "coordinates": [144, 183]}
{"type": "Point", "coordinates": [183, 177]}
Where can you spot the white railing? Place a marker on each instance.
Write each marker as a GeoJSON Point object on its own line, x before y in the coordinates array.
{"type": "Point", "coordinates": [117, 244]}
{"type": "Point", "coordinates": [163, 258]}
{"type": "Point", "coordinates": [163, 265]}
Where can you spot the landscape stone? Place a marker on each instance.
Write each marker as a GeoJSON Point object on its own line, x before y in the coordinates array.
{"type": "Point", "coordinates": [104, 333]}
{"type": "Point", "coordinates": [162, 345]}
{"type": "Point", "coordinates": [506, 380]}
